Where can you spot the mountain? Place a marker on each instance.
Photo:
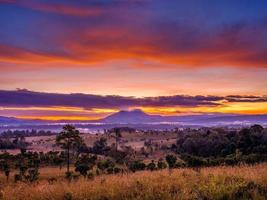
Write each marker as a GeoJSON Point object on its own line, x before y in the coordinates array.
{"type": "Point", "coordinates": [9, 120]}
{"type": "Point", "coordinates": [132, 117]}
{"type": "Point", "coordinates": [139, 117]}
{"type": "Point", "coordinates": [13, 121]}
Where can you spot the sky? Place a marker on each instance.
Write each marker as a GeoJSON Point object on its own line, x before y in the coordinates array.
{"type": "Point", "coordinates": [88, 59]}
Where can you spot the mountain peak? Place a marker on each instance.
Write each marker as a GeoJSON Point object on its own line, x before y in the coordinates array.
{"type": "Point", "coordinates": [136, 111]}
{"type": "Point", "coordinates": [124, 116]}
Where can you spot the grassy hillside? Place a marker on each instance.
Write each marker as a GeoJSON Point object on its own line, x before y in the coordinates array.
{"type": "Point", "coordinates": [240, 182]}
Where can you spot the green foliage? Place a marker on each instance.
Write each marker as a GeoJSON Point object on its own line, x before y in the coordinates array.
{"type": "Point", "coordinates": [137, 165]}
{"type": "Point", "coordinates": [161, 164]}
{"type": "Point", "coordinates": [69, 139]}
{"type": "Point", "coordinates": [85, 163]}
{"type": "Point", "coordinates": [120, 157]}
{"type": "Point", "coordinates": [171, 160]}
{"type": "Point", "coordinates": [82, 169]}
{"type": "Point", "coordinates": [151, 166]}
{"type": "Point", "coordinates": [100, 146]}
{"type": "Point", "coordinates": [5, 167]}
{"type": "Point", "coordinates": [13, 143]}
{"type": "Point", "coordinates": [194, 161]}
{"type": "Point", "coordinates": [105, 164]}
{"type": "Point", "coordinates": [117, 170]}
{"type": "Point", "coordinates": [218, 146]}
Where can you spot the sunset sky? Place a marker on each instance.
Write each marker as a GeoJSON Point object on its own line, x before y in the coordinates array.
{"type": "Point", "coordinates": [88, 59]}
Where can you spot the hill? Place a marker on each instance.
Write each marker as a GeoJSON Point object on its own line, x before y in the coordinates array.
{"type": "Point", "coordinates": [139, 117]}
{"type": "Point", "coordinates": [135, 117]}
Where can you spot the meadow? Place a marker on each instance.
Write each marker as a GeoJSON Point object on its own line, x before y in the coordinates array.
{"type": "Point", "coordinates": [205, 164]}
{"type": "Point", "coordinates": [238, 182]}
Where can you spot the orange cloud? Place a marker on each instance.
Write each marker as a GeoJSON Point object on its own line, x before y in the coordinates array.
{"type": "Point", "coordinates": [100, 47]}
{"type": "Point", "coordinates": [118, 34]}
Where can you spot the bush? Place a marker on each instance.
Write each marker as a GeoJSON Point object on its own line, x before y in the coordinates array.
{"type": "Point", "coordinates": [151, 166]}
{"type": "Point", "coordinates": [171, 160]}
{"type": "Point", "coordinates": [117, 170]}
{"type": "Point", "coordinates": [105, 164]}
{"type": "Point", "coordinates": [137, 165]}
{"type": "Point", "coordinates": [161, 164]}
{"type": "Point", "coordinates": [82, 169]}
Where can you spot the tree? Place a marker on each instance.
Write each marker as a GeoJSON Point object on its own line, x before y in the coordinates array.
{"type": "Point", "coordinates": [105, 165]}
{"type": "Point", "coordinates": [151, 166]}
{"type": "Point", "coordinates": [256, 128]}
{"type": "Point", "coordinates": [117, 136]}
{"type": "Point", "coordinates": [5, 167]}
{"type": "Point", "coordinates": [69, 139]}
{"type": "Point", "coordinates": [100, 146]}
{"type": "Point", "coordinates": [171, 160]}
{"type": "Point", "coordinates": [84, 164]}
{"type": "Point", "coordinates": [161, 164]}
{"type": "Point", "coordinates": [137, 165]}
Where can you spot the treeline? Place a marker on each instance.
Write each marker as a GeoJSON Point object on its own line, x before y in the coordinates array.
{"type": "Point", "coordinates": [15, 139]}
{"type": "Point", "coordinates": [13, 143]}
{"type": "Point", "coordinates": [192, 149]}
{"type": "Point", "coordinates": [217, 146]}
{"type": "Point", "coordinates": [25, 133]}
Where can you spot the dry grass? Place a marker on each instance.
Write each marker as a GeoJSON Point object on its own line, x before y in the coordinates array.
{"type": "Point", "coordinates": [242, 182]}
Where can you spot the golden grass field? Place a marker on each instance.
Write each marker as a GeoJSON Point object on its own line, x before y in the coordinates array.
{"type": "Point", "coordinates": [240, 182]}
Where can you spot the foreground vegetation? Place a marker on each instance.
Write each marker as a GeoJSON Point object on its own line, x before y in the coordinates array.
{"type": "Point", "coordinates": [181, 168]}
{"type": "Point", "coordinates": [239, 182]}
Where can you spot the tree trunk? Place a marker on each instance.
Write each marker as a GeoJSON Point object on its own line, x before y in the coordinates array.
{"type": "Point", "coordinates": [68, 160]}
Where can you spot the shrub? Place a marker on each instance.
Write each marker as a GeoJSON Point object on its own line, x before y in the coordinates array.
{"type": "Point", "coordinates": [137, 165]}
{"type": "Point", "coordinates": [161, 164]}
{"type": "Point", "coordinates": [171, 160]}
{"type": "Point", "coordinates": [151, 166]}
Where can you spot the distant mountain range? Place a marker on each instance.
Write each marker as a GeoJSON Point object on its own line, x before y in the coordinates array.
{"type": "Point", "coordinates": [140, 117]}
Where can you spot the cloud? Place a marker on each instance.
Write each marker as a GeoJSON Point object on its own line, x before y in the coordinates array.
{"type": "Point", "coordinates": [130, 30]}
{"type": "Point", "coordinates": [26, 98]}
{"type": "Point", "coordinates": [88, 101]}
{"type": "Point", "coordinates": [248, 98]}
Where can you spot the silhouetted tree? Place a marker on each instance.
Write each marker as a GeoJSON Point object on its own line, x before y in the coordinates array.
{"type": "Point", "coordinates": [137, 165]}
{"type": "Point", "coordinates": [106, 165]}
{"type": "Point", "coordinates": [69, 139]}
{"type": "Point", "coordinates": [161, 164]}
{"type": "Point", "coordinates": [5, 167]}
{"type": "Point", "coordinates": [100, 146]}
{"type": "Point", "coordinates": [171, 160]}
{"type": "Point", "coordinates": [84, 164]}
{"type": "Point", "coordinates": [117, 136]}
{"type": "Point", "coordinates": [151, 166]}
